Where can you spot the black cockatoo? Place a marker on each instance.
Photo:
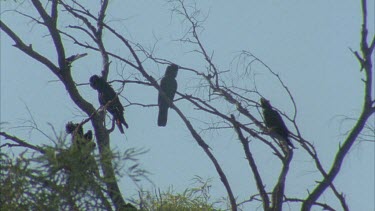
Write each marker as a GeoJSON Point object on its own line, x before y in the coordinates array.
{"type": "Point", "coordinates": [169, 86]}
{"type": "Point", "coordinates": [70, 127]}
{"type": "Point", "coordinates": [274, 122]}
{"type": "Point", "coordinates": [106, 94]}
{"type": "Point", "coordinates": [88, 135]}
{"type": "Point", "coordinates": [78, 157]}
{"type": "Point", "coordinates": [78, 137]}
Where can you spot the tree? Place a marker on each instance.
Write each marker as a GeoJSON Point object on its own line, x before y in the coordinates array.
{"type": "Point", "coordinates": [230, 107]}
{"type": "Point", "coordinates": [64, 176]}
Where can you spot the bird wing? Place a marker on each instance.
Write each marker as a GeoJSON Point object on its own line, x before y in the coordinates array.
{"type": "Point", "coordinates": [108, 93]}
{"type": "Point", "coordinates": [172, 90]}
{"type": "Point", "coordinates": [169, 86]}
{"type": "Point", "coordinates": [274, 121]}
{"type": "Point", "coordinates": [279, 121]}
{"type": "Point", "coordinates": [101, 98]}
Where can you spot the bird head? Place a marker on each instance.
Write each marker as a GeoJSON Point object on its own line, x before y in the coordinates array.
{"type": "Point", "coordinates": [265, 103]}
{"type": "Point", "coordinates": [70, 127]}
{"type": "Point", "coordinates": [88, 135]}
{"type": "Point", "coordinates": [172, 70]}
{"type": "Point", "coordinates": [95, 81]}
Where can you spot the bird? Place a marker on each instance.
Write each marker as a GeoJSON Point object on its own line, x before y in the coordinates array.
{"type": "Point", "coordinates": [70, 127]}
{"type": "Point", "coordinates": [78, 157]}
{"type": "Point", "coordinates": [274, 122]}
{"type": "Point", "coordinates": [79, 139]}
{"type": "Point", "coordinates": [168, 85]}
{"type": "Point", "coordinates": [107, 94]}
{"type": "Point", "coordinates": [88, 135]}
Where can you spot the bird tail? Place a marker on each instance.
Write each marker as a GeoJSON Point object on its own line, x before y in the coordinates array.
{"type": "Point", "coordinates": [119, 125]}
{"type": "Point", "coordinates": [163, 116]}
{"type": "Point", "coordinates": [122, 120]}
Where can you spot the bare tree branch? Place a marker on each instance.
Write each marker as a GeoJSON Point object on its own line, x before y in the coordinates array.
{"type": "Point", "coordinates": [51, 23]}
{"type": "Point", "coordinates": [324, 206]}
{"type": "Point", "coordinates": [209, 95]}
{"type": "Point", "coordinates": [63, 72]}
{"type": "Point", "coordinates": [28, 50]}
{"type": "Point", "coordinates": [358, 127]}
{"type": "Point", "coordinates": [258, 179]}
{"type": "Point", "coordinates": [22, 142]}
{"type": "Point", "coordinates": [279, 189]}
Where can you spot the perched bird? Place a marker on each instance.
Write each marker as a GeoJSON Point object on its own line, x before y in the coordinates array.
{"type": "Point", "coordinates": [274, 122]}
{"type": "Point", "coordinates": [88, 135]}
{"type": "Point", "coordinates": [169, 86]}
{"type": "Point", "coordinates": [70, 127]}
{"type": "Point", "coordinates": [107, 94]}
{"type": "Point", "coordinates": [78, 157]}
{"type": "Point", "coordinates": [79, 139]}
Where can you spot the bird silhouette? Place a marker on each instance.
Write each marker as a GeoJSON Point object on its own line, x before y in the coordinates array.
{"type": "Point", "coordinates": [107, 94]}
{"type": "Point", "coordinates": [168, 85]}
{"type": "Point", "coordinates": [79, 139]}
{"type": "Point", "coordinates": [274, 122]}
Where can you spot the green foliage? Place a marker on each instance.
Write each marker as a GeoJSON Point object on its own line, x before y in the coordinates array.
{"type": "Point", "coordinates": [61, 178]}
{"type": "Point", "coordinates": [196, 198]}
{"type": "Point", "coordinates": [22, 188]}
{"type": "Point", "coordinates": [67, 178]}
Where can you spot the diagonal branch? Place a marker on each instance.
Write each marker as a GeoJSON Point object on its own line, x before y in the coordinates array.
{"type": "Point", "coordinates": [324, 206]}
{"type": "Point", "coordinates": [367, 111]}
{"type": "Point", "coordinates": [28, 50]}
{"type": "Point", "coordinates": [199, 103]}
{"type": "Point", "coordinates": [254, 168]}
{"type": "Point", "coordinates": [22, 142]}
{"type": "Point", "coordinates": [51, 23]}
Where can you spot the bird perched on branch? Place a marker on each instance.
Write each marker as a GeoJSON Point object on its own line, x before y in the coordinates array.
{"type": "Point", "coordinates": [79, 139]}
{"type": "Point", "coordinates": [168, 85]}
{"type": "Point", "coordinates": [78, 159]}
{"type": "Point", "coordinates": [274, 122]}
{"type": "Point", "coordinates": [108, 95]}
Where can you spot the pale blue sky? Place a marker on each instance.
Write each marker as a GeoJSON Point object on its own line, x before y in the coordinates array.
{"type": "Point", "coordinates": [306, 42]}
